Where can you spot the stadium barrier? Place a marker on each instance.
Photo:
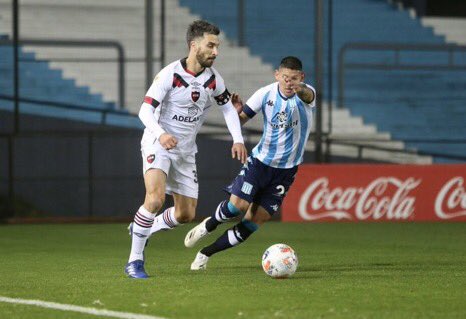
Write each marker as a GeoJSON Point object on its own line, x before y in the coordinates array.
{"type": "Point", "coordinates": [374, 193]}
{"type": "Point", "coordinates": [81, 43]}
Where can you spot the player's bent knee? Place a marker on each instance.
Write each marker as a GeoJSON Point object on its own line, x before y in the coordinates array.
{"type": "Point", "coordinates": [185, 208]}
{"type": "Point", "coordinates": [239, 203]}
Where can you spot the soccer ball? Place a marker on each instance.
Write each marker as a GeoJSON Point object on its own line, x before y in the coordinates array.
{"type": "Point", "coordinates": [279, 261]}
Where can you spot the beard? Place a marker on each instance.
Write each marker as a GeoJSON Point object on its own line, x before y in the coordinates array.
{"type": "Point", "coordinates": [204, 60]}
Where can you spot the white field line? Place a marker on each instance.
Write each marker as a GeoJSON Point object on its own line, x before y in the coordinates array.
{"type": "Point", "coordinates": [87, 310]}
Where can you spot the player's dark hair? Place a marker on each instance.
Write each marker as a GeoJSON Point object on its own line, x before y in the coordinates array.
{"type": "Point", "coordinates": [291, 62]}
{"type": "Point", "coordinates": [198, 28]}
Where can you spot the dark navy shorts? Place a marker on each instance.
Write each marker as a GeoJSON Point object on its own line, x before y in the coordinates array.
{"type": "Point", "coordinates": [261, 184]}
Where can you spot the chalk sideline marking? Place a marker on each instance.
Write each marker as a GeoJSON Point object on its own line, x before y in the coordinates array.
{"type": "Point", "coordinates": [88, 310]}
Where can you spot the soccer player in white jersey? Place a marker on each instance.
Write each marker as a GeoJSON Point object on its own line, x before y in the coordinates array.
{"type": "Point", "coordinates": [173, 111]}
{"type": "Point", "coordinates": [261, 185]}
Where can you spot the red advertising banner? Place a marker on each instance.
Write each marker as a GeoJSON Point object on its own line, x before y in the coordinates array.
{"type": "Point", "coordinates": [373, 193]}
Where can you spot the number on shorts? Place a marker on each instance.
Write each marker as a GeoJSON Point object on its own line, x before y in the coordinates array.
{"type": "Point", "coordinates": [281, 189]}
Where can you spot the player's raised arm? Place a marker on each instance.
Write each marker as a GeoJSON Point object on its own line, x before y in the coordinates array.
{"type": "Point", "coordinates": [305, 93]}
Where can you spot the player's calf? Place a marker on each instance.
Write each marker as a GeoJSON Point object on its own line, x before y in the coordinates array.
{"type": "Point", "coordinates": [165, 221]}
{"type": "Point", "coordinates": [224, 212]}
{"type": "Point", "coordinates": [232, 237]}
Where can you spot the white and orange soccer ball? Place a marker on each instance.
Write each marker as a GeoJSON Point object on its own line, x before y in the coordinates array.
{"type": "Point", "coordinates": [279, 261]}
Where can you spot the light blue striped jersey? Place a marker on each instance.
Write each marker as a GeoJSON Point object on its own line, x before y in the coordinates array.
{"type": "Point", "coordinates": [287, 124]}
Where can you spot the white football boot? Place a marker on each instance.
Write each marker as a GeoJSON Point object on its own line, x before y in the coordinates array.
{"type": "Point", "coordinates": [200, 262]}
{"type": "Point", "coordinates": [193, 236]}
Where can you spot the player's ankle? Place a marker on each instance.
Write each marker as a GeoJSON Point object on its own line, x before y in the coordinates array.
{"type": "Point", "coordinates": [211, 224]}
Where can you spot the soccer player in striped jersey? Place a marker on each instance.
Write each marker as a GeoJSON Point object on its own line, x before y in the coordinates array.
{"type": "Point", "coordinates": [173, 111]}
{"type": "Point", "coordinates": [261, 185]}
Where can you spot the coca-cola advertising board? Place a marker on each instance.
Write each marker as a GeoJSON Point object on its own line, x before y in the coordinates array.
{"type": "Point", "coordinates": [377, 193]}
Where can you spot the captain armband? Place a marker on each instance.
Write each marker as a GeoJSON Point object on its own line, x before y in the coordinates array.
{"type": "Point", "coordinates": [151, 101]}
{"type": "Point", "coordinates": [223, 98]}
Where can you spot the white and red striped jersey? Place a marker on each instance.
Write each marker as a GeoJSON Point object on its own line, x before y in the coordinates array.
{"type": "Point", "coordinates": [181, 100]}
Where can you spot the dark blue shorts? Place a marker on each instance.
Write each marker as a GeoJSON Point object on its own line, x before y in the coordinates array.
{"type": "Point", "coordinates": [261, 184]}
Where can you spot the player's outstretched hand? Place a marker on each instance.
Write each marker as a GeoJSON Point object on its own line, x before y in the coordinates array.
{"type": "Point", "coordinates": [237, 102]}
{"type": "Point", "coordinates": [299, 88]}
{"type": "Point", "coordinates": [239, 151]}
{"type": "Point", "coordinates": [167, 141]}
{"type": "Point", "coordinates": [303, 92]}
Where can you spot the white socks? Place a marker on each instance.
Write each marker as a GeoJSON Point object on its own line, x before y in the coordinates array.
{"type": "Point", "coordinates": [143, 221]}
{"type": "Point", "coordinates": [165, 221]}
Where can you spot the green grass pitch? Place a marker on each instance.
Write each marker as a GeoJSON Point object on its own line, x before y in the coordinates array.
{"type": "Point", "coordinates": [345, 271]}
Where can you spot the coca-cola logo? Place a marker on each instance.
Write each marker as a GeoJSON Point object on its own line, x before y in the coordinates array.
{"type": "Point", "coordinates": [451, 200]}
{"type": "Point", "coordinates": [384, 197]}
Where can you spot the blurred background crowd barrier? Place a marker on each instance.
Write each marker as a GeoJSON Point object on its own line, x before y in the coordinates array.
{"type": "Point", "coordinates": [390, 75]}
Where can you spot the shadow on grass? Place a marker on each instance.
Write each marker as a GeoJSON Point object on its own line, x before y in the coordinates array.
{"type": "Point", "coordinates": [375, 267]}
{"type": "Point", "coordinates": [372, 270]}
{"type": "Point", "coordinates": [236, 267]}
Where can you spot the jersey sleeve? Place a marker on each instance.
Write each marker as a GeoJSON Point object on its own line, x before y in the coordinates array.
{"type": "Point", "coordinates": [149, 113]}
{"type": "Point", "coordinates": [220, 93]}
{"type": "Point", "coordinates": [149, 116]}
{"type": "Point", "coordinates": [232, 121]}
{"type": "Point", "coordinates": [254, 103]}
{"type": "Point", "coordinates": [159, 88]}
